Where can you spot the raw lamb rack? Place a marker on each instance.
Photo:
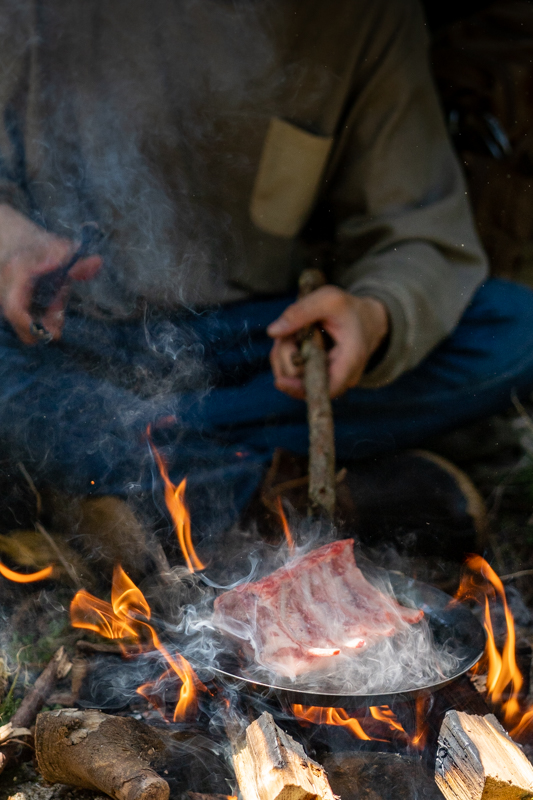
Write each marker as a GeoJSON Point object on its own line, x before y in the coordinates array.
{"type": "Point", "coordinates": [310, 611]}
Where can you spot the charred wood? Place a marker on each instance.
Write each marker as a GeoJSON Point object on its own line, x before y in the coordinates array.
{"type": "Point", "coordinates": [380, 776]}
{"type": "Point", "coordinates": [478, 760]}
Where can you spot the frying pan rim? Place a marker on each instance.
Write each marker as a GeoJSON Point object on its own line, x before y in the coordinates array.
{"type": "Point", "coordinates": [310, 697]}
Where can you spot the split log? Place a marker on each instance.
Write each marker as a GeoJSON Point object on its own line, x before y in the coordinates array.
{"type": "Point", "coordinates": [24, 716]}
{"type": "Point", "coordinates": [91, 750]}
{"type": "Point", "coordinates": [478, 760]}
{"type": "Point", "coordinates": [319, 411]}
{"type": "Point", "coordinates": [270, 765]}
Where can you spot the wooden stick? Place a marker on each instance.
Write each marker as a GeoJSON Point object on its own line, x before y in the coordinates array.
{"type": "Point", "coordinates": [24, 716]}
{"type": "Point", "coordinates": [96, 751]}
{"type": "Point", "coordinates": [477, 760]}
{"type": "Point", "coordinates": [92, 648]}
{"type": "Point", "coordinates": [319, 411]}
{"type": "Point", "coordinates": [270, 765]}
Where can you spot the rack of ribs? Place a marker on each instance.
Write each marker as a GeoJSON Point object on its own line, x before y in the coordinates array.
{"type": "Point", "coordinates": [310, 611]}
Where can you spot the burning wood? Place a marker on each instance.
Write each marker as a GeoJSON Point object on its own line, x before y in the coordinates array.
{"type": "Point", "coordinates": [24, 716]}
{"type": "Point", "coordinates": [477, 760]}
{"type": "Point", "coordinates": [270, 765]}
{"type": "Point", "coordinates": [95, 751]}
{"type": "Point", "coordinates": [380, 724]}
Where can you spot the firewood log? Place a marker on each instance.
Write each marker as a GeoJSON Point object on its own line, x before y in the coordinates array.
{"type": "Point", "coordinates": [319, 411]}
{"type": "Point", "coordinates": [96, 751]}
{"type": "Point", "coordinates": [478, 760]}
{"type": "Point", "coordinates": [270, 765]}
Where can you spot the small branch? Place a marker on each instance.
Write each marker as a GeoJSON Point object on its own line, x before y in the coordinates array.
{"type": "Point", "coordinates": [124, 650]}
{"type": "Point", "coordinates": [24, 716]}
{"type": "Point", "coordinates": [523, 573]}
{"type": "Point", "coordinates": [319, 411]}
{"type": "Point", "coordinates": [38, 501]}
{"type": "Point", "coordinates": [69, 569]}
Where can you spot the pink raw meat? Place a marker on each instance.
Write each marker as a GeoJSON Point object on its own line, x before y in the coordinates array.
{"type": "Point", "coordinates": [308, 612]}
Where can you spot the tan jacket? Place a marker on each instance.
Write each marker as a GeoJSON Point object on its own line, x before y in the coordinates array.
{"type": "Point", "coordinates": [223, 145]}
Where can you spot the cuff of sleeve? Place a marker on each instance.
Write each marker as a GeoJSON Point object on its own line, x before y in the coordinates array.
{"type": "Point", "coordinates": [12, 195]}
{"type": "Point", "coordinates": [393, 362]}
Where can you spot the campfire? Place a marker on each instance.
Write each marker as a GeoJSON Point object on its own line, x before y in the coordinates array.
{"type": "Point", "coordinates": [291, 683]}
{"type": "Point", "coordinates": [408, 725]}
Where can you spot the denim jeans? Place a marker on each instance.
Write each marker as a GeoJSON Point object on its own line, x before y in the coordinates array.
{"type": "Point", "coordinates": [76, 412]}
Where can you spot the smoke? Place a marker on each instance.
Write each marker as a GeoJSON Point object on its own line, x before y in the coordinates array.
{"type": "Point", "coordinates": [132, 116]}
{"type": "Point", "coordinates": [417, 655]}
{"type": "Point", "coordinates": [138, 116]}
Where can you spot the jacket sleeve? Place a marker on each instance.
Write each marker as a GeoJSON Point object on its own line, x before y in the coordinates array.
{"type": "Point", "coordinates": [404, 229]}
{"type": "Point", "coordinates": [16, 36]}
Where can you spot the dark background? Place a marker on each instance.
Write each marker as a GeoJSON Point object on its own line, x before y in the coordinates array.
{"type": "Point", "coordinates": [443, 12]}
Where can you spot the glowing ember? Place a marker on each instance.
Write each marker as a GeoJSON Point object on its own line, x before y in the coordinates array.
{"type": "Point", "coordinates": [126, 617]}
{"type": "Point", "coordinates": [285, 524]}
{"type": "Point", "coordinates": [175, 501]}
{"type": "Point", "coordinates": [18, 577]}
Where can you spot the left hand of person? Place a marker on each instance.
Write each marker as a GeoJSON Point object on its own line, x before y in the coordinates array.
{"type": "Point", "coordinates": [357, 326]}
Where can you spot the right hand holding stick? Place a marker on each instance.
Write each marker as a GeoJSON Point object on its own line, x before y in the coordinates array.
{"type": "Point", "coordinates": [357, 326]}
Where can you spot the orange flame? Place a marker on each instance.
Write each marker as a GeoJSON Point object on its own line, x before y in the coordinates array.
{"type": "Point", "coordinates": [523, 725]}
{"type": "Point", "coordinates": [503, 672]}
{"type": "Point", "coordinates": [384, 714]}
{"type": "Point", "coordinates": [175, 500]}
{"type": "Point", "coordinates": [19, 577]}
{"type": "Point", "coordinates": [126, 617]}
{"type": "Point", "coordinates": [285, 524]}
{"type": "Point", "coordinates": [329, 716]}
{"type": "Point", "coordinates": [339, 716]}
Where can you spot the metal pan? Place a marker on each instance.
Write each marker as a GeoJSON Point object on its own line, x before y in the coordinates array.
{"type": "Point", "coordinates": [449, 621]}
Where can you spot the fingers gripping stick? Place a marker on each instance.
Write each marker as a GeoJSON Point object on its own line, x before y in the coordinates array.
{"type": "Point", "coordinates": [319, 411]}
{"type": "Point", "coordinates": [48, 286]}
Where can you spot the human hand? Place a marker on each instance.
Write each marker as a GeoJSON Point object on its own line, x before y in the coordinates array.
{"type": "Point", "coordinates": [357, 326]}
{"type": "Point", "coordinates": [27, 252]}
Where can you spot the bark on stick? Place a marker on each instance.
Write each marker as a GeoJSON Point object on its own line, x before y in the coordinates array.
{"type": "Point", "coordinates": [96, 751]}
{"type": "Point", "coordinates": [24, 716]}
{"type": "Point", "coordinates": [270, 765]}
{"type": "Point", "coordinates": [478, 760]}
{"type": "Point", "coordinates": [319, 411]}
